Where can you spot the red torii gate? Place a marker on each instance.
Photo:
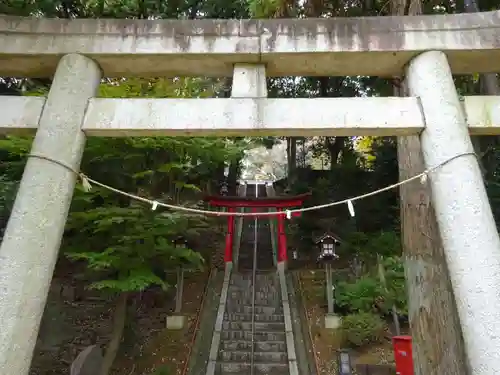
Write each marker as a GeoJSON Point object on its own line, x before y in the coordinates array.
{"type": "Point", "coordinates": [281, 204]}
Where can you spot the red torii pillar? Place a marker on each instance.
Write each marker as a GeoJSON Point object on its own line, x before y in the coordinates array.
{"type": "Point", "coordinates": [228, 252]}
{"type": "Point", "coordinates": [280, 203]}
{"type": "Point", "coordinates": [282, 253]}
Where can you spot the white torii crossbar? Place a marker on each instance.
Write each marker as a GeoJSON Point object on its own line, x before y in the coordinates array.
{"type": "Point", "coordinates": [426, 50]}
{"type": "Point", "coordinates": [251, 116]}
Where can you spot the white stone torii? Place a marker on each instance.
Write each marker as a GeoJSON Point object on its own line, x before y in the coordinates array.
{"type": "Point", "coordinates": [79, 52]}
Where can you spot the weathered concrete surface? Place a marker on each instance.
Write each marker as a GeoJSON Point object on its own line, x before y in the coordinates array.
{"type": "Point", "coordinates": [30, 247]}
{"type": "Point", "coordinates": [176, 322]}
{"type": "Point", "coordinates": [312, 47]}
{"type": "Point", "coordinates": [20, 114]}
{"type": "Point", "coordinates": [290, 341]}
{"type": "Point", "coordinates": [216, 338]}
{"type": "Point", "coordinates": [254, 117]}
{"type": "Point", "coordinates": [291, 117]}
{"type": "Point", "coordinates": [482, 114]}
{"type": "Point", "coordinates": [468, 230]}
{"type": "Point", "coordinates": [333, 321]}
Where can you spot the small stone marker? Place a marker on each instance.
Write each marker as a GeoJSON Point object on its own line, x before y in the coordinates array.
{"type": "Point", "coordinates": [88, 362]}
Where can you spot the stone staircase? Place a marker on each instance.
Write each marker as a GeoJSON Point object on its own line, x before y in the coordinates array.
{"type": "Point", "coordinates": [268, 346]}
{"type": "Point", "coordinates": [265, 259]}
{"type": "Point", "coordinates": [252, 336]}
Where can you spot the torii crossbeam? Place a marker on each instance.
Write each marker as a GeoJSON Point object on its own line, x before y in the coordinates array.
{"type": "Point", "coordinates": [425, 50]}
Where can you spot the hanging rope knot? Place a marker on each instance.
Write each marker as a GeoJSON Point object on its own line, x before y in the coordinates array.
{"type": "Point", "coordinates": [423, 178]}
{"type": "Point", "coordinates": [85, 182]}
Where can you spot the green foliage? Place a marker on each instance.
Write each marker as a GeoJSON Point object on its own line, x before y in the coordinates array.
{"type": "Point", "coordinates": [368, 294]}
{"type": "Point", "coordinates": [363, 329]}
{"type": "Point", "coordinates": [363, 295]}
{"type": "Point", "coordinates": [396, 285]}
{"type": "Point", "coordinates": [368, 245]}
{"type": "Point", "coordinates": [7, 193]}
{"type": "Point", "coordinates": [125, 245]}
{"type": "Point", "coordinates": [128, 244]}
{"type": "Point", "coordinates": [263, 8]}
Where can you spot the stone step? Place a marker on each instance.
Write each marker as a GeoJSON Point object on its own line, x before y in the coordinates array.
{"type": "Point", "coordinates": [246, 345]}
{"type": "Point", "coordinates": [258, 275]}
{"type": "Point", "coordinates": [259, 326]}
{"type": "Point", "coordinates": [257, 309]}
{"type": "Point", "coordinates": [247, 276]}
{"type": "Point", "coordinates": [249, 282]}
{"type": "Point", "coordinates": [256, 302]}
{"type": "Point", "coordinates": [258, 336]}
{"type": "Point", "coordinates": [260, 294]}
{"type": "Point", "coordinates": [258, 357]}
{"type": "Point", "coordinates": [234, 317]}
{"type": "Point", "coordinates": [247, 296]}
{"type": "Point", "coordinates": [224, 368]}
{"type": "Point", "coordinates": [260, 285]}
{"type": "Point", "coordinates": [260, 290]}
{"type": "Point", "coordinates": [260, 255]}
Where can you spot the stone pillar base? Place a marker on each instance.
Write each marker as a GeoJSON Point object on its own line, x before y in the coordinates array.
{"type": "Point", "coordinates": [176, 322]}
{"type": "Point", "coordinates": [332, 321]}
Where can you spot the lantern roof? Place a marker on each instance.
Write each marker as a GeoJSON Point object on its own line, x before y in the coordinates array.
{"type": "Point", "coordinates": [327, 236]}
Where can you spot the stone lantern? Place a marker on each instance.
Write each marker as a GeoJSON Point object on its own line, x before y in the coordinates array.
{"type": "Point", "coordinates": [327, 248]}
{"type": "Point", "coordinates": [177, 320]}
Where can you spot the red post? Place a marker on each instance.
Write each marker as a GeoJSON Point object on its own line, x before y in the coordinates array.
{"type": "Point", "coordinates": [282, 253]}
{"type": "Point", "coordinates": [403, 355]}
{"type": "Point", "coordinates": [228, 252]}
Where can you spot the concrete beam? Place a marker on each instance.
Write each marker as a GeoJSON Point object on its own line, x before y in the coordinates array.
{"type": "Point", "coordinates": [20, 114]}
{"type": "Point", "coordinates": [211, 117]}
{"type": "Point", "coordinates": [253, 117]}
{"type": "Point", "coordinates": [482, 114]}
{"type": "Point", "coordinates": [31, 47]}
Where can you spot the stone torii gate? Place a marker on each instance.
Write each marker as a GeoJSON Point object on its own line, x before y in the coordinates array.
{"type": "Point", "coordinates": [426, 50]}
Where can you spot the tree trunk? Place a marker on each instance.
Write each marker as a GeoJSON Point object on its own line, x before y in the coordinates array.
{"type": "Point", "coordinates": [119, 318]}
{"type": "Point", "coordinates": [438, 347]}
{"type": "Point", "coordinates": [232, 179]}
{"type": "Point", "coordinates": [335, 145]}
{"type": "Point", "coordinates": [488, 84]}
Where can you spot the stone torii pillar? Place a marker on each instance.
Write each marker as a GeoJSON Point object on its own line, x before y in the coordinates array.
{"type": "Point", "coordinates": [468, 231]}
{"type": "Point", "coordinates": [33, 235]}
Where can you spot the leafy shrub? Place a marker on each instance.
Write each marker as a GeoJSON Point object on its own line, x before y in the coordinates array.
{"type": "Point", "coordinates": [367, 294]}
{"type": "Point", "coordinates": [363, 329]}
{"type": "Point", "coordinates": [360, 296]}
{"type": "Point", "coordinates": [395, 277]}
